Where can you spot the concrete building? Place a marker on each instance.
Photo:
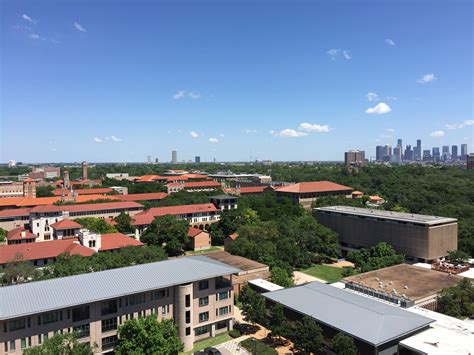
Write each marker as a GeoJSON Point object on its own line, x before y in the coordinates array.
{"type": "Point", "coordinates": [197, 295]}
{"type": "Point", "coordinates": [464, 151]}
{"type": "Point", "coordinates": [418, 237]}
{"type": "Point", "coordinates": [470, 162]}
{"type": "Point", "coordinates": [454, 152]}
{"type": "Point", "coordinates": [403, 285]}
{"type": "Point", "coordinates": [354, 158]}
{"type": "Point", "coordinates": [12, 189]}
{"type": "Point", "coordinates": [376, 327]}
{"type": "Point", "coordinates": [306, 193]}
{"type": "Point", "coordinates": [195, 186]}
{"type": "Point", "coordinates": [45, 172]}
{"type": "Point", "coordinates": [117, 176]}
{"type": "Point", "coordinates": [197, 159]}
{"type": "Point", "coordinates": [174, 157]}
{"type": "Point", "coordinates": [224, 202]}
{"type": "Point", "coordinates": [436, 154]}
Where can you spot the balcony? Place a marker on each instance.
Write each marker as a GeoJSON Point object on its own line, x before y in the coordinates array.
{"type": "Point", "coordinates": [223, 283]}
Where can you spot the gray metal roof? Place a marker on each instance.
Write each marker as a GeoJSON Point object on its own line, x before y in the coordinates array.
{"type": "Point", "coordinates": [369, 320]}
{"type": "Point", "coordinates": [43, 296]}
{"type": "Point", "coordinates": [397, 216]}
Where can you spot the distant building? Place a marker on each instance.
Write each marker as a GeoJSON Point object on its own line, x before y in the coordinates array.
{"type": "Point", "coordinates": [397, 153]}
{"type": "Point", "coordinates": [379, 153]}
{"type": "Point", "coordinates": [354, 158]}
{"type": "Point", "coordinates": [454, 152]}
{"type": "Point", "coordinates": [9, 189]}
{"type": "Point", "coordinates": [224, 202]}
{"type": "Point", "coordinates": [45, 172]}
{"type": "Point", "coordinates": [196, 186]}
{"type": "Point", "coordinates": [436, 155]}
{"type": "Point", "coordinates": [446, 156]}
{"type": "Point", "coordinates": [84, 170]}
{"type": "Point", "coordinates": [118, 176]}
{"type": "Point", "coordinates": [418, 237]}
{"type": "Point", "coordinates": [464, 151]}
{"type": "Point", "coordinates": [470, 162]}
{"type": "Point", "coordinates": [427, 155]}
{"type": "Point", "coordinates": [417, 150]}
{"type": "Point", "coordinates": [408, 154]}
{"type": "Point", "coordinates": [306, 193]}
{"type": "Point", "coordinates": [66, 181]}
{"type": "Point", "coordinates": [174, 157]}
{"type": "Point", "coordinates": [197, 159]}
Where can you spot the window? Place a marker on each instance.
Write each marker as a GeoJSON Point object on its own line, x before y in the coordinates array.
{"type": "Point", "coordinates": [51, 317]}
{"type": "Point", "coordinates": [223, 295]}
{"type": "Point", "coordinates": [188, 331]}
{"type": "Point", "coordinates": [188, 317]}
{"type": "Point", "coordinates": [165, 309]}
{"type": "Point", "coordinates": [23, 343]}
{"type": "Point", "coordinates": [157, 295]}
{"type": "Point", "coordinates": [224, 311]}
{"type": "Point", "coordinates": [203, 285]}
{"type": "Point", "coordinates": [221, 325]}
{"type": "Point", "coordinates": [80, 313]}
{"type": "Point", "coordinates": [83, 331]}
{"type": "Point", "coordinates": [201, 330]}
{"type": "Point", "coordinates": [108, 307]}
{"type": "Point", "coordinates": [12, 345]}
{"type": "Point", "coordinates": [109, 324]}
{"type": "Point", "coordinates": [203, 301]}
{"type": "Point", "coordinates": [16, 324]}
{"type": "Point", "coordinates": [187, 301]}
{"type": "Point", "coordinates": [109, 342]}
{"type": "Point", "coordinates": [203, 317]}
{"type": "Point", "coordinates": [135, 299]}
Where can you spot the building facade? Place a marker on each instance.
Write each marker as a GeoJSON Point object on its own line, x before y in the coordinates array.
{"type": "Point", "coordinates": [197, 295]}
{"type": "Point", "coordinates": [354, 158]}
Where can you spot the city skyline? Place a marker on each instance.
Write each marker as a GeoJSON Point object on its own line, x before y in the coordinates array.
{"type": "Point", "coordinates": [302, 82]}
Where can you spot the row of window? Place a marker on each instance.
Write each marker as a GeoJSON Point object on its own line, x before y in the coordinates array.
{"type": "Point", "coordinates": [204, 316]}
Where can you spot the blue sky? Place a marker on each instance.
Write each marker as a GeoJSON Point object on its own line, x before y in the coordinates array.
{"type": "Point", "coordinates": [280, 80]}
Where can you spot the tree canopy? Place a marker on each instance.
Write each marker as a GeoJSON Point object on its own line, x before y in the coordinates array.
{"type": "Point", "coordinates": [148, 336]}
{"type": "Point", "coordinates": [18, 271]}
{"type": "Point", "coordinates": [458, 301]}
{"type": "Point", "coordinates": [124, 223]}
{"type": "Point", "coordinates": [377, 257]}
{"type": "Point", "coordinates": [253, 306]}
{"type": "Point", "coordinates": [308, 336]}
{"type": "Point", "coordinates": [343, 345]}
{"type": "Point", "coordinates": [97, 225]}
{"type": "Point", "coordinates": [281, 277]}
{"type": "Point", "coordinates": [169, 232]}
{"type": "Point", "coordinates": [61, 344]}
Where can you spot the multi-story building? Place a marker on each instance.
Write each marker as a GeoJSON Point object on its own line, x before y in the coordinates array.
{"type": "Point", "coordinates": [436, 155]}
{"type": "Point", "coordinates": [354, 158]}
{"type": "Point", "coordinates": [418, 237]}
{"type": "Point", "coordinates": [224, 202]}
{"type": "Point", "coordinates": [196, 292]}
{"type": "Point", "coordinates": [454, 152]}
{"type": "Point", "coordinates": [446, 156]}
{"type": "Point", "coordinates": [379, 153]}
{"type": "Point", "coordinates": [306, 193]}
{"type": "Point", "coordinates": [417, 150]}
{"type": "Point", "coordinates": [197, 159]}
{"type": "Point", "coordinates": [45, 172]}
{"type": "Point", "coordinates": [427, 155]}
{"type": "Point", "coordinates": [174, 157]}
{"type": "Point", "coordinates": [470, 162]}
{"type": "Point", "coordinates": [84, 170]}
{"type": "Point", "coordinates": [408, 154]}
{"type": "Point", "coordinates": [397, 153]}
{"type": "Point", "coordinates": [464, 151]}
{"type": "Point", "coordinates": [195, 186]}
{"type": "Point", "coordinates": [11, 189]}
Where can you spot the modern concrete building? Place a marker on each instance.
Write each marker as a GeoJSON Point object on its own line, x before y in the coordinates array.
{"type": "Point", "coordinates": [224, 202]}
{"type": "Point", "coordinates": [376, 327]}
{"type": "Point", "coordinates": [12, 189]}
{"type": "Point", "coordinates": [470, 162]}
{"type": "Point", "coordinates": [174, 157]}
{"type": "Point", "coordinates": [195, 186]}
{"type": "Point", "coordinates": [464, 151]}
{"type": "Point", "coordinates": [306, 193]}
{"type": "Point", "coordinates": [418, 237]}
{"type": "Point", "coordinates": [354, 158]}
{"type": "Point", "coordinates": [197, 294]}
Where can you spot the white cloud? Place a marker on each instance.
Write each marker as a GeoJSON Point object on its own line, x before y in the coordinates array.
{"type": "Point", "coordinates": [28, 18]}
{"type": "Point", "coordinates": [221, 135]}
{"type": "Point", "coordinates": [333, 53]}
{"type": "Point", "coordinates": [115, 139]}
{"type": "Point", "coordinates": [193, 134]}
{"type": "Point", "coordinates": [379, 109]}
{"type": "Point", "coordinates": [463, 124]}
{"type": "Point", "coordinates": [273, 133]}
{"type": "Point", "coordinates": [34, 36]}
{"type": "Point", "coordinates": [79, 27]}
{"type": "Point", "coordinates": [250, 131]}
{"type": "Point", "coordinates": [390, 42]}
{"type": "Point", "coordinates": [347, 54]}
{"type": "Point", "coordinates": [427, 78]}
{"type": "Point", "coordinates": [391, 130]}
{"type": "Point", "coordinates": [291, 133]}
{"type": "Point", "coordinates": [308, 127]}
{"type": "Point", "coordinates": [213, 140]}
{"type": "Point", "coordinates": [179, 95]}
{"type": "Point", "coordinates": [194, 95]}
{"type": "Point", "coordinates": [97, 140]}
{"type": "Point", "coordinates": [372, 96]}
{"type": "Point", "coordinates": [437, 133]}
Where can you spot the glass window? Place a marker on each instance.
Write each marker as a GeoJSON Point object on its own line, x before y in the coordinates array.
{"type": "Point", "coordinates": [203, 317]}
{"type": "Point", "coordinates": [135, 299]}
{"type": "Point", "coordinates": [17, 324]}
{"type": "Point", "coordinates": [80, 313]}
{"type": "Point", "coordinates": [108, 307]}
{"type": "Point", "coordinates": [201, 330]}
{"type": "Point", "coordinates": [12, 345]}
{"type": "Point", "coordinates": [203, 285]}
{"type": "Point", "coordinates": [83, 331]}
{"type": "Point", "coordinates": [159, 294]}
{"type": "Point", "coordinates": [23, 343]}
{"type": "Point", "coordinates": [50, 317]}
{"type": "Point", "coordinates": [188, 317]}
{"type": "Point", "coordinates": [221, 325]}
{"type": "Point", "coordinates": [187, 301]}
{"type": "Point", "coordinates": [223, 295]}
{"type": "Point", "coordinates": [203, 301]}
{"type": "Point", "coordinates": [109, 324]}
{"type": "Point", "coordinates": [109, 342]}
{"type": "Point", "coordinates": [223, 311]}
{"type": "Point", "coordinates": [188, 331]}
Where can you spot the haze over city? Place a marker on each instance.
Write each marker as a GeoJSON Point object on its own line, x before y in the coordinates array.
{"type": "Point", "coordinates": [105, 81]}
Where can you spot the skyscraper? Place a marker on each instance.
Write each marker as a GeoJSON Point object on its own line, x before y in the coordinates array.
{"type": "Point", "coordinates": [378, 153]}
{"type": "Point", "coordinates": [397, 153]}
{"type": "Point", "coordinates": [408, 155]}
{"type": "Point", "coordinates": [148, 159]}
{"type": "Point", "coordinates": [464, 151]}
{"type": "Point", "coordinates": [197, 159]}
{"type": "Point", "coordinates": [435, 154]}
{"type": "Point", "coordinates": [399, 142]}
{"type": "Point", "coordinates": [417, 150]}
{"type": "Point", "coordinates": [445, 154]}
{"type": "Point", "coordinates": [454, 152]}
{"type": "Point", "coordinates": [354, 157]}
{"type": "Point", "coordinates": [174, 156]}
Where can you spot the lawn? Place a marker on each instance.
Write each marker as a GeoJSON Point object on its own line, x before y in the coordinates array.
{"type": "Point", "coordinates": [258, 347]}
{"type": "Point", "coordinates": [197, 252]}
{"type": "Point", "coordinates": [327, 273]}
{"type": "Point", "coordinates": [200, 345]}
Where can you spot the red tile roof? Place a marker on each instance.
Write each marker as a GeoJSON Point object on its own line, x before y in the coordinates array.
{"type": "Point", "coordinates": [193, 231]}
{"type": "Point", "coordinates": [198, 184]}
{"type": "Point", "coordinates": [15, 234]}
{"type": "Point", "coordinates": [97, 191]}
{"type": "Point", "coordinates": [182, 209]}
{"type": "Point", "coordinates": [43, 250]}
{"type": "Point", "coordinates": [142, 219]}
{"type": "Point", "coordinates": [46, 209]}
{"type": "Point", "coordinates": [40, 201]}
{"type": "Point", "coordinates": [234, 236]}
{"type": "Point", "coordinates": [197, 176]}
{"type": "Point", "coordinates": [143, 197]}
{"type": "Point", "coordinates": [252, 189]}
{"type": "Point", "coordinates": [376, 198]}
{"type": "Point", "coordinates": [65, 224]}
{"type": "Point", "coordinates": [313, 186]}
{"type": "Point", "coordinates": [15, 212]}
{"type": "Point", "coordinates": [100, 206]}
{"type": "Point", "coordinates": [357, 193]}
{"type": "Point", "coordinates": [112, 241]}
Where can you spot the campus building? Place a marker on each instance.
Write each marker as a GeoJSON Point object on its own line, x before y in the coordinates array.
{"type": "Point", "coordinates": [197, 295]}
{"type": "Point", "coordinates": [196, 186]}
{"type": "Point", "coordinates": [306, 193]}
{"type": "Point", "coordinates": [418, 237]}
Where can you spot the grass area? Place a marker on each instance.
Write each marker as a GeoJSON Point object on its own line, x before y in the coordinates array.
{"type": "Point", "coordinates": [197, 252]}
{"type": "Point", "coordinates": [255, 346]}
{"type": "Point", "coordinates": [200, 345]}
{"type": "Point", "coordinates": [327, 273]}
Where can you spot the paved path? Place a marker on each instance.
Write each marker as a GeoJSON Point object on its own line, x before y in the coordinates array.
{"type": "Point", "coordinates": [232, 347]}
{"type": "Point", "coordinates": [302, 278]}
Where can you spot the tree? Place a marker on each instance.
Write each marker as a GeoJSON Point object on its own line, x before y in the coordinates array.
{"type": "Point", "coordinates": [3, 236]}
{"type": "Point", "coordinates": [377, 257]}
{"type": "Point", "coordinates": [61, 344]}
{"type": "Point", "coordinates": [97, 225]}
{"type": "Point", "coordinates": [148, 336]}
{"type": "Point", "coordinates": [253, 306]}
{"type": "Point", "coordinates": [343, 345]}
{"type": "Point", "coordinates": [278, 323]}
{"type": "Point", "coordinates": [281, 277]}
{"type": "Point", "coordinates": [44, 191]}
{"type": "Point", "coordinates": [169, 232]}
{"type": "Point", "coordinates": [18, 271]}
{"type": "Point", "coordinates": [458, 301]}
{"type": "Point", "coordinates": [457, 257]}
{"type": "Point", "coordinates": [308, 336]}
{"type": "Point", "coordinates": [124, 223]}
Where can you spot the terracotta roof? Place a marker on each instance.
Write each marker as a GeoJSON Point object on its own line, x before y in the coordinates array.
{"type": "Point", "coordinates": [357, 193]}
{"type": "Point", "coordinates": [202, 184]}
{"type": "Point", "coordinates": [46, 209]}
{"type": "Point", "coordinates": [15, 234]}
{"type": "Point", "coordinates": [97, 191]}
{"type": "Point", "coordinates": [193, 231]}
{"type": "Point", "coordinates": [182, 209]}
{"type": "Point", "coordinates": [39, 201]}
{"type": "Point", "coordinates": [142, 197]}
{"type": "Point", "coordinates": [376, 198]}
{"type": "Point", "coordinates": [112, 241]}
{"type": "Point", "coordinates": [142, 219]}
{"type": "Point", "coordinates": [15, 212]}
{"type": "Point", "coordinates": [234, 236]}
{"type": "Point", "coordinates": [65, 224]}
{"type": "Point", "coordinates": [251, 189]}
{"type": "Point", "coordinates": [43, 250]}
{"type": "Point", "coordinates": [150, 178]}
{"type": "Point", "coordinates": [100, 206]}
{"type": "Point", "coordinates": [313, 186]}
{"type": "Point", "coordinates": [197, 176]}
